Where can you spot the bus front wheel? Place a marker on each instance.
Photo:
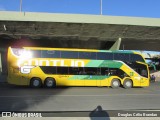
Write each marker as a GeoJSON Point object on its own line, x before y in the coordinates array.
{"type": "Point", "coordinates": [50, 82]}
{"type": "Point", "coordinates": [127, 83]}
{"type": "Point", "coordinates": [35, 82]}
{"type": "Point", "coordinates": [115, 83]}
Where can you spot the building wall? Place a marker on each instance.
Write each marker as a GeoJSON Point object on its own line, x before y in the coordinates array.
{"type": "Point", "coordinates": [0, 64]}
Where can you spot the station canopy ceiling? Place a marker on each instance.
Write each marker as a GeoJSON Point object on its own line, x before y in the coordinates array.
{"type": "Point", "coordinates": [78, 31]}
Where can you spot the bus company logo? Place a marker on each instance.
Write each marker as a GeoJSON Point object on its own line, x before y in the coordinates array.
{"type": "Point", "coordinates": [37, 62]}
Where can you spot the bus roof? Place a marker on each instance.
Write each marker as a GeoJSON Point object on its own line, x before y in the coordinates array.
{"type": "Point", "coordinates": [77, 49]}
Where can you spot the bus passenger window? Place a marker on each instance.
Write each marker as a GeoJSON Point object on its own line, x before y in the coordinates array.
{"type": "Point", "coordinates": [81, 71]}
{"type": "Point", "coordinates": [50, 54]}
{"type": "Point", "coordinates": [73, 71]}
{"type": "Point", "coordinates": [87, 55]}
{"type": "Point", "coordinates": [90, 70]}
{"type": "Point", "coordinates": [69, 54]}
{"type": "Point", "coordinates": [62, 70]}
{"type": "Point", "coordinates": [104, 71]}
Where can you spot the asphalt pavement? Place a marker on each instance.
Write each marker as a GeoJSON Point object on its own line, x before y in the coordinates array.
{"type": "Point", "coordinates": [80, 101]}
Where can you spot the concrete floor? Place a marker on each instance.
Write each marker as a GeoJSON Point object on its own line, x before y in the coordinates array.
{"type": "Point", "coordinates": [80, 102]}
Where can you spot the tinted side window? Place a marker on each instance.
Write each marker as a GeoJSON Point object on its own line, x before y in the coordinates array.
{"type": "Point", "coordinates": [121, 56]}
{"type": "Point", "coordinates": [76, 70]}
{"type": "Point", "coordinates": [90, 71]}
{"type": "Point", "coordinates": [135, 57]}
{"type": "Point", "coordinates": [62, 70]}
{"type": "Point", "coordinates": [87, 55]}
{"type": "Point", "coordinates": [104, 71]}
{"type": "Point", "coordinates": [141, 69]}
{"type": "Point", "coordinates": [69, 54]}
{"type": "Point", "coordinates": [73, 70]}
{"type": "Point", "coordinates": [36, 53]}
{"type": "Point", "coordinates": [48, 69]}
{"type": "Point", "coordinates": [50, 54]}
{"type": "Point", "coordinates": [81, 71]}
{"type": "Point", "coordinates": [117, 72]}
{"type": "Point", "coordinates": [104, 56]}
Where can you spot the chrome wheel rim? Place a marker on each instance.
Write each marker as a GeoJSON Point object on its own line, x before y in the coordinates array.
{"type": "Point", "coordinates": [128, 84]}
{"type": "Point", "coordinates": [115, 83]}
{"type": "Point", "coordinates": [36, 83]}
{"type": "Point", "coordinates": [49, 83]}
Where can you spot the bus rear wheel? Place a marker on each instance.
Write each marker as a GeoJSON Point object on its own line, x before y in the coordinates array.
{"type": "Point", "coordinates": [50, 82]}
{"type": "Point", "coordinates": [36, 82]}
{"type": "Point", "coordinates": [115, 83]}
{"type": "Point", "coordinates": [127, 83]}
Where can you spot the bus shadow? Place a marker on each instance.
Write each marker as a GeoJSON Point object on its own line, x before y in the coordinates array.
{"type": "Point", "coordinates": [23, 98]}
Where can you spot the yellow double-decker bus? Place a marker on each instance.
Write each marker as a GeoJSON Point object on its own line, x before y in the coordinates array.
{"type": "Point", "coordinates": [51, 67]}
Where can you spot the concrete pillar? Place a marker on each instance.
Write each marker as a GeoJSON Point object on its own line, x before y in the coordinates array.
{"type": "Point", "coordinates": [0, 64]}
{"type": "Point", "coordinates": [3, 61]}
{"type": "Point", "coordinates": [3, 65]}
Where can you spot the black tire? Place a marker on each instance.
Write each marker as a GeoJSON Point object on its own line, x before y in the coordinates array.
{"type": "Point", "coordinates": [115, 83]}
{"type": "Point", "coordinates": [36, 82]}
{"type": "Point", "coordinates": [127, 84]}
{"type": "Point", "coordinates": [50, 83]}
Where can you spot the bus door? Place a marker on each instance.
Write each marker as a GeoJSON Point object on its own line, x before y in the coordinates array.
{"type": "Point", "coordinates": [144, 75]}
{"type": "Point", "coordinates": [142, 70]}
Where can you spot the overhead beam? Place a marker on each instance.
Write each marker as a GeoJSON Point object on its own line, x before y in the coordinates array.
{"type": "Point", "coordinates": [78, 18]}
